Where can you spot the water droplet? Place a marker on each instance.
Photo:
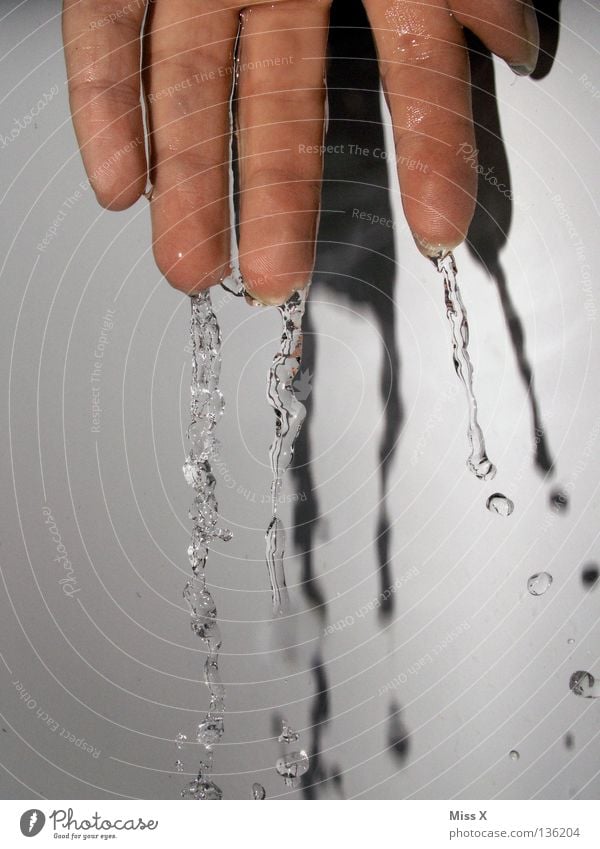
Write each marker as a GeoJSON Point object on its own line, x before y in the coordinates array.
{"type": "Point", "coordinates": [478, 462]}
{"type": "Point", "coordinates": [582, 684]}
{"type": "Point", "coordinates": [500, 504]}
{"type": "Point", "coordinates": [202, 789]}
{"type": "Point", "coordinates": [539, 583]}
{"type": "Point", "coordinates": [292, 767]}
{"type": "Point", "coordinates": [590, 575]}
{"type": "Point", "coordinates": [514, 755]}
{"type": "Point", "coordinates": [570, 641]}
{"type": "Point", "coordinates": [258, 791]}
{"type": "Point", "coordinates": [179, 765]}
{"type": "Point", "coordinates": [288, 735]}
{"type": "Point", "coordinates": [210, 730]}
{"type": "Point", "coordinates": [569, 740]}
{"type": "Point", "coordinates": [180, 739]}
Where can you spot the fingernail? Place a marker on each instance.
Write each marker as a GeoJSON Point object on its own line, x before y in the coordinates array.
{"type": "Point", "coordinates": [523, 69]}
{"type": "Point", "coordinates": [432, 250]}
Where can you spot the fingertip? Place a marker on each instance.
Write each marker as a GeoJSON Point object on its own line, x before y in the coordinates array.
{"type": "Point", "coordinates": [270, 279]}
{"type": "Point", "coordinates": [189, 271]}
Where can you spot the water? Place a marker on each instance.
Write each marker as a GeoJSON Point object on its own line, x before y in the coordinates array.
{"type": "Point", "coordinates": [478, 462]}
{"type": "Point", "coordinates": [292, 767]}
{"type": "Point", "coordinates": [288, 735]}
{"type": "Point", "coordinates": [583, 684]}
{"type": "Point", "coordinates": [500, 504]}
{"type": "Point", "coordinates": [206, 408]}
{"type": "Point", "coordinates": [514, 755]}
{"type": "Point", "coordinates": [539, 583]}
{"type": "Point", "coordinates": [258, 791]}
{"type": "Point", "coordinates": [289, 416]}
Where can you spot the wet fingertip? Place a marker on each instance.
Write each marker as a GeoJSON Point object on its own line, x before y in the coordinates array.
{"type": "Point", "coordinates": [433, 250]}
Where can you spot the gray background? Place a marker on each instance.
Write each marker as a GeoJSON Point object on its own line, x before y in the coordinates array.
{"type": "Point", "coordinates": [116, 663]}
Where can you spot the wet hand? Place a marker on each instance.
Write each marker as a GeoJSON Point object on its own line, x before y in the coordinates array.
{"type": "Point", "coordinates": [188, 70]}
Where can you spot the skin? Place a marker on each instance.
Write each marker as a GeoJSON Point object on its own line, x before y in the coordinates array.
{"type": "Point", "coordinates": [188, 69]}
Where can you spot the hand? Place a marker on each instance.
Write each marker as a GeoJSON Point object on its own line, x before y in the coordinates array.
{"type": "Point", "coordinates": [189, 67]}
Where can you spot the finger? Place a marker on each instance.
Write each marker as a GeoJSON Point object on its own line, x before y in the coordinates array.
{"type": "Point", "coordinates": [425, 71]}
{"type": "Point", "coordinates": [188, 85]}
{"type": "Point", "coordinates": [102, 49]}
{"type": "Point", "coordinates": [281, 118]}
{"type": "Point", "coordinates": [508, 28]}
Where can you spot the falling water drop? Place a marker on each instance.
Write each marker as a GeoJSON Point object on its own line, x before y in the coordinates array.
{"type": "Point", "coordinates": [539, 583]}
{"type": "Point", "coordinates": [180, 739]}
{"type": "Point", "coordinates": [288, 735]}
{"type": "Point", "coordinates": [179, 765]}
{"type": "Point", "coordinates": [582, 684]}
{"type": "Point", "coordinates": [514, 755]}
{"type": "Point", "coordinates": [478, 461]}
{"type": "Point", "coordinates": [570, 641]}
{"type": "Point", "coordinates": [500, 504]}
{"type": "Point", "coordinates": [258, 791]}
{"type": "Point", "coordinates": [289, 416]}
{"type": "Point", "coordinates": [292, 767]}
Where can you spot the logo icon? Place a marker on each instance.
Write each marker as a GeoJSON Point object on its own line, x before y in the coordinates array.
{"type": "Point", "coordinates": [32, 822]}
{"type": "Point", "coordinates": [303, 386]}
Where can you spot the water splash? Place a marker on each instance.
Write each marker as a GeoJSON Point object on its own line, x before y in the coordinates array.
{"type": "Point", "coordinates": [289, 416]}
{"type": "Point", "coordinates": [478, 462]}
{"type": "Point", "coordinates": [539, 583]}
{"type": "Point", "coordinates": [206, 408]}
{"type": "Point", "coordinates": [500, 504]}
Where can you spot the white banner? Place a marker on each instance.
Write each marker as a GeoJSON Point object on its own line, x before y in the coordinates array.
{"type": "Point", "coordinates": [358, 824]}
